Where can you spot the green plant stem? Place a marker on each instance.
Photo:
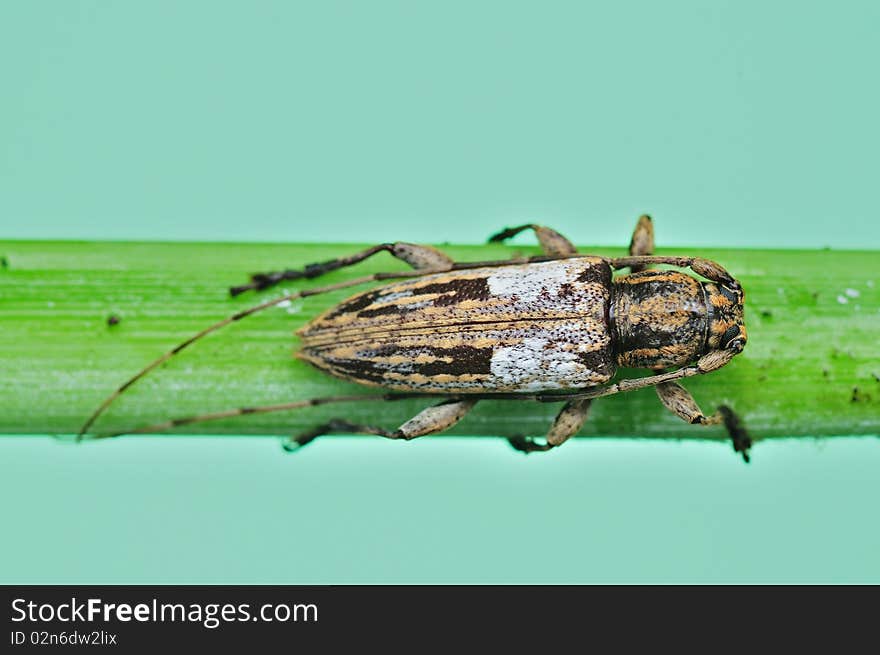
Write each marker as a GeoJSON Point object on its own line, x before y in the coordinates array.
{"type": "Point", "coordinates": [811, 366]}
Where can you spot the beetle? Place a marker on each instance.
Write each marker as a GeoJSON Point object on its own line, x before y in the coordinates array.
{"type": "Point", "coordinates": [549, 328]}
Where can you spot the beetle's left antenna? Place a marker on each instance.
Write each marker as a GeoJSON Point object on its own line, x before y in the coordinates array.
{"type": "Point", "coordinates": [226, 321]}
{"type": "Point", "coordinates": [262, 409]}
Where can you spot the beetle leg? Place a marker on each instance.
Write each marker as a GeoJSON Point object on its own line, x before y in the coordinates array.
{"type": "Point", "coordinates": [333, 425]}
{"type": "Point", "coordinates": [422, 258]}
{"type": "Point", "coordinates": [709, 362]}
{"type": "Point", "coordinates": [552, 243]}
{"type": "Point", "coordinates": [679, 401]}
{"type": "Point", "coordinates": [429, 421]}
{"type": "Point", "coordinates": [705, 267]}
{"type": "Point", "coordinates": [642, 242]}
{"type": "Point", "coordinates": [567, 424]}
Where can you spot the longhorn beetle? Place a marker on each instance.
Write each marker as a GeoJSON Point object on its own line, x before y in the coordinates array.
{"type": "Point", "coordinates": [551, 328]}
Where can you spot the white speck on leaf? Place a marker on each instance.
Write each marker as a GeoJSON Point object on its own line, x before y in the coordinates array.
{"type": "Point", "coordinates": [852, 293]}
{"type": "Point", "coordinates": [842, 300]}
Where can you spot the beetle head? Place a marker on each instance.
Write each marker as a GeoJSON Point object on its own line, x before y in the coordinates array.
{"type": "Point", "coordinates": [727, 330]}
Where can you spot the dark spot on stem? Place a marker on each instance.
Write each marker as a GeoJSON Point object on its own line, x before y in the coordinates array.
{"type": "Point", "coordinates": [113, 319]}
{"type": "Point", "coordinates": [4, 263]}
{"type": "Point", "coordinates": [766, 313]}
{"type": "Point", "coordinates": [855, 395]}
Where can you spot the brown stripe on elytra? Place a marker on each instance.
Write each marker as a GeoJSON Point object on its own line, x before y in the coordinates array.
{"type": "Point", "coordinates": [456, 361]}
{"type": "Point", "coordinates": [364, 335]}
{"type": "Point", "coordinates": [356, 303]}
{"type": "Point", "coordinates": [596, 272]}
{"type": "Point", "coordinates": [464, 360]}
{"type": "Point", "coordinates": [348, 369]}
{"type": "Point", "coordinates": [456, 290]}
{"type": "Point", "coordinates": [448, 293]}
{"type": "Point", "coordinates": [597, 361]}
{"type": "Point", "coordinates": [382, 310]}
{"type": "Point", "coordinates": [359, 369]}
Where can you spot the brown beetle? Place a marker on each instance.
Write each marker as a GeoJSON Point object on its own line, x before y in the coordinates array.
{"type": "Point", "coordinates": [552, 328]}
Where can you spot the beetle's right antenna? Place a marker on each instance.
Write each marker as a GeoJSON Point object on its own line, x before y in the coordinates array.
{"type": "Point", "coordinates": [226, 321]}
{"type": "Point", "coordinates": [262, 409]}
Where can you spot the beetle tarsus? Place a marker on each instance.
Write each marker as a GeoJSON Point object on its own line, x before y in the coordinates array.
{"type": "Point", "coordinates": [293, 445]}
{"type": "Point", "coordinates": [419, 257]}
{"type": "Point", "coordinates": [528, 445]}
{"type": "Point", "coordinates": [552, 242]}
{"type": "Point", "coordinates": [507, 233]}
{"type": "Point", "coordinates": [642, 242]}
{"type": "Point", "coordinates": [742, 440]}
{"type": "Point", "coordinates": [261, 281]}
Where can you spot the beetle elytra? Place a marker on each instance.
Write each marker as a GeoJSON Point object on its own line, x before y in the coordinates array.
{"type": "Point", "coordinates": [551, 328]}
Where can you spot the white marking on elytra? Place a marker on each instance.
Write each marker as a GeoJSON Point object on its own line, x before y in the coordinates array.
{"type": "Point", "coordinates": [391, 297]}
{"type": "Point", "coordinates": [539, 362]}
{"type": "Point", "coordinates": [416, 305]}
{"type": "Point", "coordinates": [526, 356]}
{"type": "Point", "coordinates": [545, 277]}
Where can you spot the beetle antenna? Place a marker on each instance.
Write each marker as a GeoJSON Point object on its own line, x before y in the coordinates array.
{"type": "Point", "coordinates": [263, 409]}
{"type": "Point", "coordinates": [226, 321]}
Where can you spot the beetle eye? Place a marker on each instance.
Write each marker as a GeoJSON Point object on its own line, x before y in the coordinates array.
{"type": "Point", "coordinates": [730, 294]}
{"type": "Point", "coordinates": [729, 335]}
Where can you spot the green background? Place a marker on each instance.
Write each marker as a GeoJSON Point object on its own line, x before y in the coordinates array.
{"type": "Point", "coordinates": [747, 124]}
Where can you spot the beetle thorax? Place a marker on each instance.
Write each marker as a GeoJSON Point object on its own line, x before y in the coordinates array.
{"type": "Point", "coordinates": [659, 319]}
